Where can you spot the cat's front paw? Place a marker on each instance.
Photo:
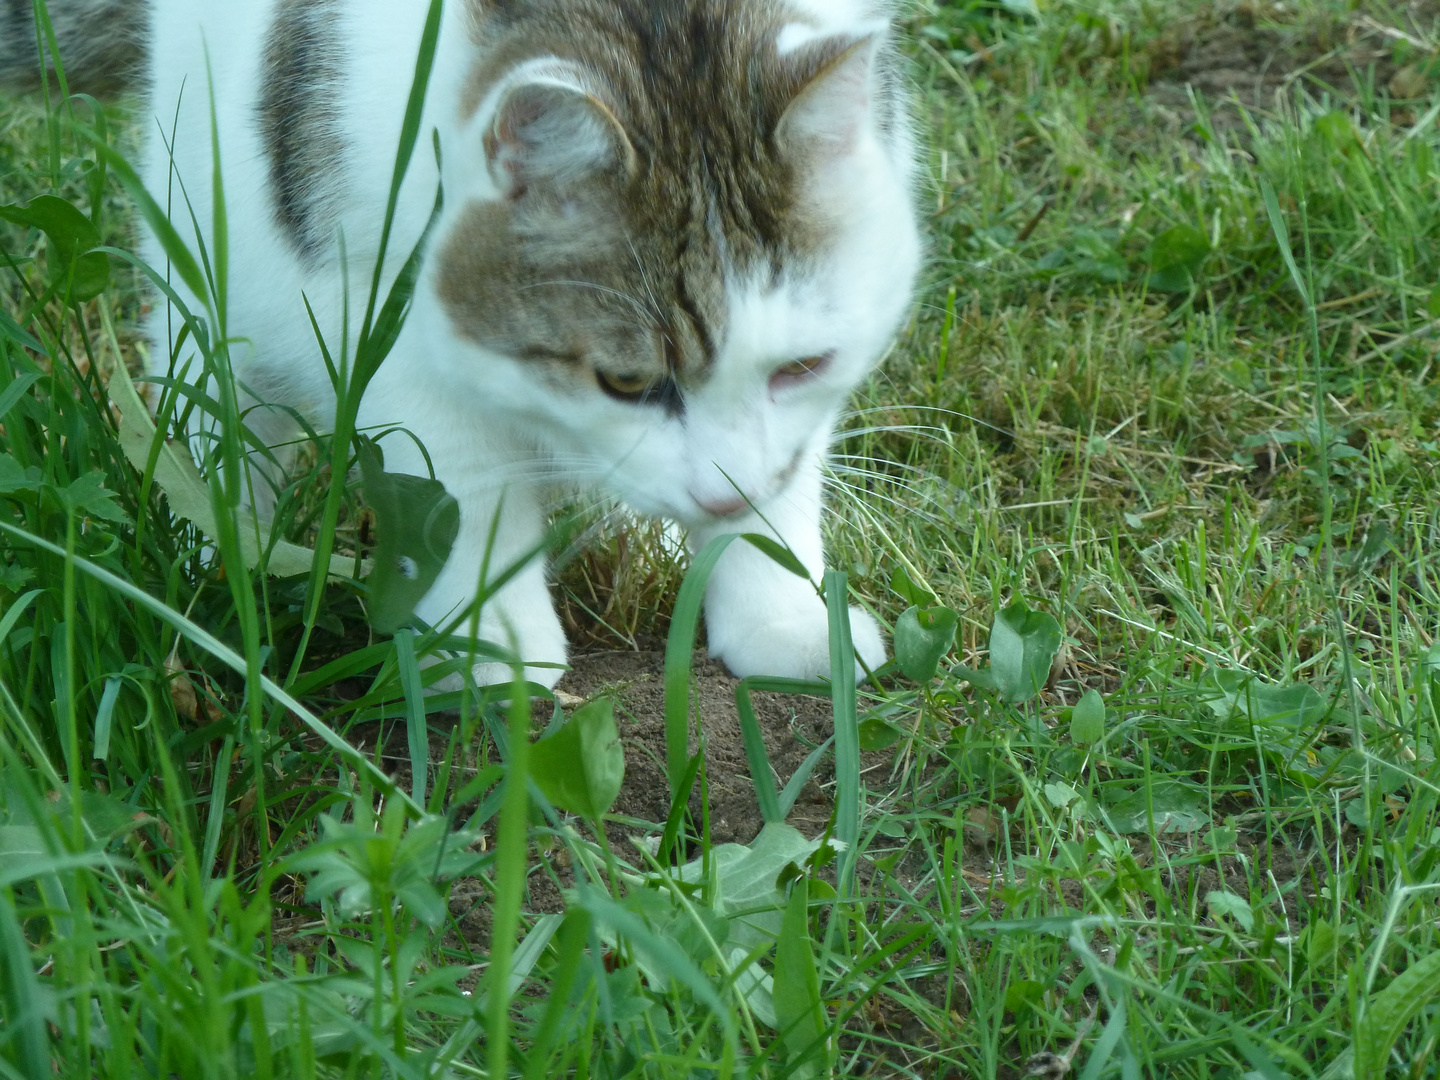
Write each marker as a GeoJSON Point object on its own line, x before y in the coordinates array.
{"type": "Point", "coordinates": [537, 639]}
{"type": "Point", "coordinates": [792, 644]}
{"type": "Point", "coordinates": [493, 673]}
{"type": "Point", "coordinates": [530, 629]}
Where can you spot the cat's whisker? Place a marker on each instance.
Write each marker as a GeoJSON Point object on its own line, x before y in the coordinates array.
{"type": "Point", "coordinates": [863, 495]}
{"type": "Point", "coordinates": [853, 414]}
{"type": "Point", "coordinates": [659, 312]}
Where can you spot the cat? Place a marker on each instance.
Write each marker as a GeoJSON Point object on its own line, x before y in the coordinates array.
{"type": "Point", "coordinates": [675, 236]}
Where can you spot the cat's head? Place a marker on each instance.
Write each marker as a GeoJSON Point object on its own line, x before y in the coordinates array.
{"type": "Point", "coordinates": [678, 235]}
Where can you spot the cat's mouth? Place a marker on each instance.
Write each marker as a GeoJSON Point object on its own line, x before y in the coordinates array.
{"type": "Point", "coordinates": [719, 507]}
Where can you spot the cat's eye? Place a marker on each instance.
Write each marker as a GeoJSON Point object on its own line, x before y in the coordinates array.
{"type": "Point", "coordinates": [628, 386]}
{"type": "Point", "coordinates": [799, 370]}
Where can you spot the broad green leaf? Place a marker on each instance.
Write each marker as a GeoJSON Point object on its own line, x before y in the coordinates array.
{"type": "Point", "coordinates": [698, 930]}
{"type": "Point", "coordinates": [876, 734]}
{"type": "Point", "coordinates": [13, 478]}
{"type": "Point", "coordinates": [68, 230]}
{"type": "Point", "coordinates": [1222, 837]}
{"type": "Point", "coordinates": [745, 880]}
{"type": "Point", "coordinates": [1357, 813]}
{"type": "Point", "coordinates": [984, 678]}
{"type": "Point", "coordinates": [21, 842]}
{"type": "Point", "coordinates": [1240, 695]}
{"type": "Point", "coordinates": [416, 522]}
{"type": "Point", "coordinates": [908, 591]}
{"type": "Point", "coordinates": [105, 816]}
{"type": "Point", "coordinates": [1223, 902]}
{"type": "Point", "coordinates": [1060, 795]}
{"type": "Point", "coordinates": [580, 768]}
{"type": "Point", "coordinates": [1174, 808]}
{"type": "Point", "coordinates": [88, 497]}
{"type": "Point", "coordinates": [1023, 995]}
{"type": "Point", "coordinates": [14, 577]}
{"type": "Point", "coordinates": [1176, 256]}
{"type": "Point", "coordinates": [654, 952]}
{"type": "Point", "coordinates": [799, 1011]}
{"type": "Point", "coordinates": [1087, 719]}
{"type": "Point", "coordinates": [1390, 1011]}
{"type": "Point", "coordinates": [922, 637]}
{"type": "Point", "coordinates": [1023, 644]}
{"type": "Point", "coordinates": [71, 235]}
{"type": "Point", "coordinates": [755, 985]}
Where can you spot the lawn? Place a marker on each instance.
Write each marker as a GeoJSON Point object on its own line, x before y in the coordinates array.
{"type": "Point", "coordinates": [1148, 493]}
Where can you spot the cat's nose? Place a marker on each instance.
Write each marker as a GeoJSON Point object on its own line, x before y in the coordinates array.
{"type": "Point", "coordinates": [721, 507]}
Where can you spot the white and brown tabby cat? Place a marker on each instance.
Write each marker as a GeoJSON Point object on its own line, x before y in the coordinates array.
{"type": "Point", "coordinates": [676, 234]}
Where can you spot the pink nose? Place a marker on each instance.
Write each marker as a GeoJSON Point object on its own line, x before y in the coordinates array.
{"type": "Point", "coordinates": [722, 508]}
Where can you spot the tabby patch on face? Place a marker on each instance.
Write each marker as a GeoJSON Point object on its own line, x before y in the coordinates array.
{"type": "Point", "coordinates": [582, 302]}
{"type": "Point", "coordinates": [609, 253]}
{"type": "Point", "coordinates": [299, 118]}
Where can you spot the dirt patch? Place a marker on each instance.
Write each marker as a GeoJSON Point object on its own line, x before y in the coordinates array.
{"type": "Point", "coordinates": [792, 726]}
{"type": "Point", "coordinates": [1242, 56]}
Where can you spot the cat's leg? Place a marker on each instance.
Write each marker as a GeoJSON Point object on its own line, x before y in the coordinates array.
{"type": "Point", "coordinates": [760, 618]}
{"type": "Point", "coordinates": [269, 446]}
{"type": "Point", "coordinates": [280, 434]}
{"type": "Point", "coordinates": [502, 526]}
{"type": "Point", "coordinates": [521, 616]}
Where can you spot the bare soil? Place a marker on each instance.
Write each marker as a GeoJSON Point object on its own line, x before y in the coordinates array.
{"type": "Point", "coordinates": [1250, 56]}
{"type": "Point", "coordinates": [792, 725]}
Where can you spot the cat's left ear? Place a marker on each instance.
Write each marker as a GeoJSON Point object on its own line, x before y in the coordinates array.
{"type": "Point", "coordinates": [833, 85]}
{"type": "Point", "coordinates": [549, 130]}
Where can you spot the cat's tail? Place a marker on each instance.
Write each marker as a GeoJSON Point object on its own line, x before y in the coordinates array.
{"type": "Point", "coordinates": [102, 44]}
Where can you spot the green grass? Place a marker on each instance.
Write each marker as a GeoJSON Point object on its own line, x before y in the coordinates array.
{"type": "Point", "coordinates": [1183, 474]}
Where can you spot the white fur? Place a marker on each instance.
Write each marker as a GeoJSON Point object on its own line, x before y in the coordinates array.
{"type": "Point", "coordinates": [488, 426]}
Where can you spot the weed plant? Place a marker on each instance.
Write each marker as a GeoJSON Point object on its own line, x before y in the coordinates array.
{"type": "Point", "coordinates": [1149, 493]}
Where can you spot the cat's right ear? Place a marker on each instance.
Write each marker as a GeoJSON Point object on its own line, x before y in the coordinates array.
{"type": "Point", "coordinates": [548, 132]}
{"type": "Point", "coordinates": [830, 87]}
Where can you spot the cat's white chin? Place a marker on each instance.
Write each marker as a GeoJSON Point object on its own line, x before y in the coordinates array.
{"type": "Point", "coordinates": [793, 644]}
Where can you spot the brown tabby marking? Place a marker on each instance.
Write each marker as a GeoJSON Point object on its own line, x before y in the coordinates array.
{"type": "Point", "coordinates": [102, 44]}
{"type": "Point", "coordinates": [300, 118]}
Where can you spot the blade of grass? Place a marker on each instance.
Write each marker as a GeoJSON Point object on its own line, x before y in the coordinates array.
{"type": "Point", "coordinates": [574, 935]}
{"type": "Point", "coordinates": [226, 655]}
{"type": "Point", "coordinates": [416, 730]}
{"type": "Point", "coordinates": [510, 859]}
{"type": "Point", "coordinates": [772, 806]}
{"type": "Point", "coordinates": [679, 655]}
{"type": "Point", "coordinates": [847, 727]}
